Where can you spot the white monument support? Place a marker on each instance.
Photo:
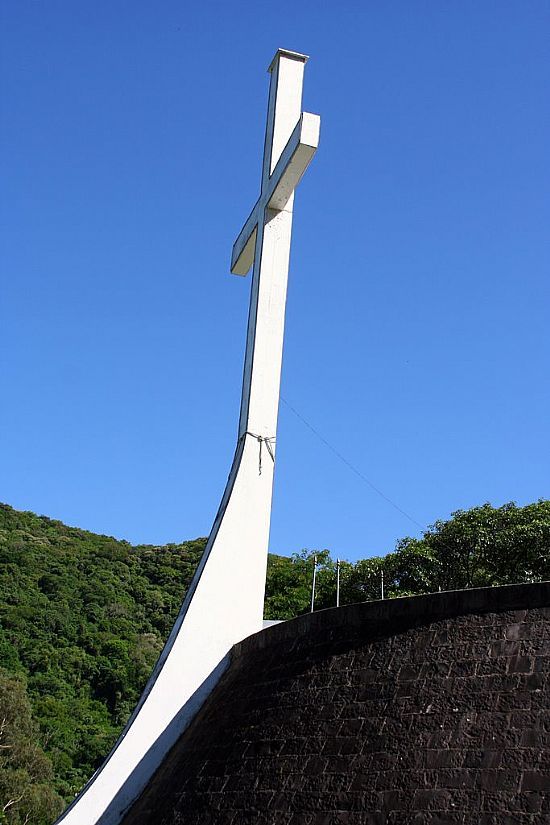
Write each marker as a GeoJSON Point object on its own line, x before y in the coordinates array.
{"type": "Point", "coordinates": [224, 603]}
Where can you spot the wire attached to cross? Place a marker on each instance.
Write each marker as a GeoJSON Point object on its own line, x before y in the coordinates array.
{"type": "Point", "coordinates": [269, 441]}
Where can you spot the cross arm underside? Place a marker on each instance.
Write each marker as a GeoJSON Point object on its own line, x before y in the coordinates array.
{"type": "Point", "coordinates": [242, 256]}
{"type": "Point", "coordinates": [294, 160]}
{"type": "Point", "coordinates": [292, 164]}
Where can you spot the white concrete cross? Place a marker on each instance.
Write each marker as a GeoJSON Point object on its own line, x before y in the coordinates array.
{"type": "Point", "coordinates": [292, 136]}
{"type": "Point", "coordinates": [224, 602]}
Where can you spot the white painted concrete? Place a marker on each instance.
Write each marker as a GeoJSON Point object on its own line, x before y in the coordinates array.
{"type": "Point", "coordinates": [279, 187]}
{"type": "Point", "coordinates": [225, 600]}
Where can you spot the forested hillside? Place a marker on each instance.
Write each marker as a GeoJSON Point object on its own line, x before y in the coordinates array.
{"type": "Point", "coordinates": [84, 617]}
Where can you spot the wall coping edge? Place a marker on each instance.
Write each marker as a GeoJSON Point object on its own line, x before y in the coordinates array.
{"type": "Point", "coordinates": [381, 617]}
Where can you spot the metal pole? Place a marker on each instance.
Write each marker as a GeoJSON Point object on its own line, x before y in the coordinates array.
{"type": "Point", "coordinates": [337, 582]}
{"type": "Point", "coordinates": [382, 582]}
{"type": "Point", "coordinates": [313, 582]}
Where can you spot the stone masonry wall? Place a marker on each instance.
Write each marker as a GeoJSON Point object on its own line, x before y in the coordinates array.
{"type": "Point", "coordinates": [432, 709]}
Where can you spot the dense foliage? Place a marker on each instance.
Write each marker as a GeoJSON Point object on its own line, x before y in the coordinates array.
{"type": "Point", "coordinates": [480, 547]}
{"type": "Point", "coordinates": [26, 793]}
{"type": "Point", "coordinates": [84, 617]}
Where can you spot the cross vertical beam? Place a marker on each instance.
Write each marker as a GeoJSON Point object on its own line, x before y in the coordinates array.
{"type": "Point", "coordinates": [290, 141]}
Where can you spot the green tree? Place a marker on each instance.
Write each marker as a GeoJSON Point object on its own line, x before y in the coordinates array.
{"type": "Point", "coordinates": [485, 546]}
{"type": "Point", "coordinates": [26, 773]}
{"type": "Point", "coordinates": [480, 547]}
{"type": "Point", "coordinates": [289, 582]}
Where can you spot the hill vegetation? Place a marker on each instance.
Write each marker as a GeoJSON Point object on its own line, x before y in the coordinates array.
{"type": "Point", "coordinates": [84, 617]}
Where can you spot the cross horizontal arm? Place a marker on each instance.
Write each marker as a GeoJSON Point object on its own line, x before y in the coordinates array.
{"type": "Point", "coordinates": [242, 256]}
{"type": "Point", "coordinates": [294, 160]}
{"type": "Point", "coordinates": [292, 164]}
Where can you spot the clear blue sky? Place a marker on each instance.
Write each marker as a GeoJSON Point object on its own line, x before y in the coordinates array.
{"type": "Point", "coordinates": [417, 320]}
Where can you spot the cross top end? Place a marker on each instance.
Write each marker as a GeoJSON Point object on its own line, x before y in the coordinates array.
{"type": "Point", "coordinates": [292, 137]}
{"type": "Point", "coordinates": [287, 53]}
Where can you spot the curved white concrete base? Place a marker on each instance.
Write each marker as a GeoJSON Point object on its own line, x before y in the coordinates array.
{"type": "Point", "coordinates": [224, 603]}
{"type": "Point", "coordinates": [196, 654]}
